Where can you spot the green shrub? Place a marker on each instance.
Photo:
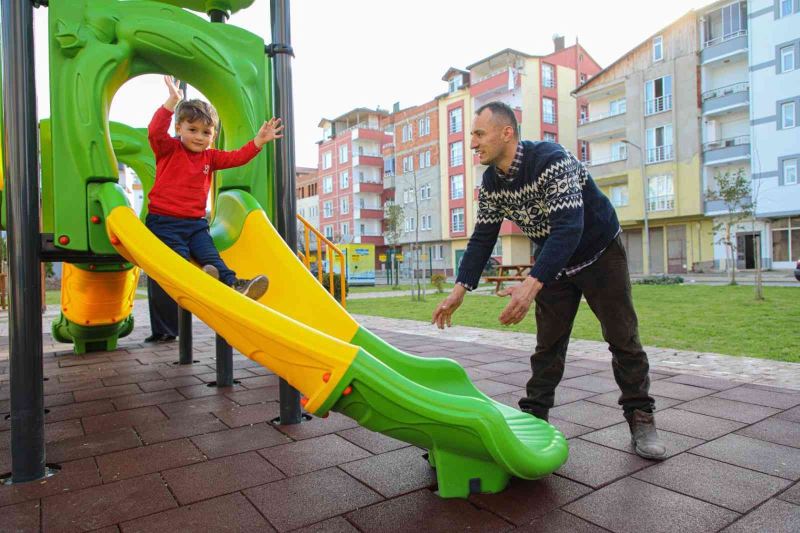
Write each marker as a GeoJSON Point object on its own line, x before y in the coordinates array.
{"type": "Point", "coordinates": [337, 286]}
{"type": "Point", "coordinates": [660, 280]}
{"type": "Point", "coordinates": [438, 280]}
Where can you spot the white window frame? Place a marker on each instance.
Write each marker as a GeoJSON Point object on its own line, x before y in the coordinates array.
{"type": "Point", "coordinates": [788, 52]}
{"type": "Point", "coordinates": [790, 169]}
{"type": "Point", "coordinates": [456, 120]}
{"type": "Point", "coordinates": [548, 75]}
{"type": "Point", "coordinates": [329, 231]}
{"type": "Point", "coordinates": [327, 184]}
{"type": "Point", "coordinates": [344, 205]}
{"type": "Point", "coordinates": [788, 118]}
{"type": "Point", "coordinates": [551, 137]}
{"type": "Point", "coordinates": [408, 164]}
{"type": "Point", "coordinates": [425, 224]}
{"type": "Point", "coordinates": [327, 160]}
{"type": "Point", "coordinates": [455, 83]}
{"type": "Point", "coordinates": [619, 195]}
{"type": "Point", "coordinates": [660, 152]}
{"type": "Point", "coordinates": [549, 115]}
{"type": "Point", "coordinates": [619, 151]}
{"type": "Point", "coordinates": [785, 13]}
{"type": "Point", "coordinates": [425, 192]}
{"type": "Point", "coordinates": [658, 48]}
{"type": "Point", "coordinates": [424, 125]}
{"type": "Point", "coordinates": [618, 106]}
{"type": "Point", "coordinates": [456, 155]}
{"type": "Point", "coordinates": [658, 104]}
{"type": "Point", "coordinates": [327, 209]}
{"type": "Point", "coordinates": [660, 193]}
{"type": "Point", "coordinates": [344, 179]}
{"type": "Point", "coordinates": [456, 186]}
{"type": "Point", "coordinates": [345, 228]}
{"type": "Point", "coordinates": [457, 220]}
{"type": "Point", "coordinates": [343, 153]}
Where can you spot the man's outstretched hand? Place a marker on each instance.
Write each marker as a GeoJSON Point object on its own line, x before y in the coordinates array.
{"type": "Point", "coordinates": [522, 297]}
{"type": "Point", "coordinates": [443, 314]}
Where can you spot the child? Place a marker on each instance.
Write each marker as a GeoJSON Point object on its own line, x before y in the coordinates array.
{"type": "Point", "coordinates": [184, 167]}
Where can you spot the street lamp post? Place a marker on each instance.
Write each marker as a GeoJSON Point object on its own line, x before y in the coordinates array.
{"type": "Point", "coordinates": [646, 231]}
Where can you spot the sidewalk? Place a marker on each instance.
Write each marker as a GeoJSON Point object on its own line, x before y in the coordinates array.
{"type": "Point", "coordinates": [146, 445]}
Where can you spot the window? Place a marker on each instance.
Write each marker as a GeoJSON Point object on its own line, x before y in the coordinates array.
{"type": "Point", "coordinates": [344, 205]}
{"type": "Point", "coordinates": [425, 192]}
{"type": "Point", "coordinates": [362, 228]}
{"type": "Point", "coordinates": [658, 95]}
{"type": "Point", "coordinates": [425, 223]}
{"type": "Point", "coordinates": [456, 120]}
{"type": "Point", "coordinates": [584, 114]}
{"type": "Point", "coordinates": [619, 151]}
{"type": "Point", "coordinates": [498, 248]}
{"type": "Point", "coordinates": [787, 115]}
{"type": "Point", "coordinates": [437, 252]}
{"type": "Point", "coordinates": [548, 75]}
{"type": "Point", "coordinates": [456, 154]}
{"type": "Point", "coordinates": [410, 224]}
{"type": "Point", "coordinates": [787, 7]}
{"type": "Point", "coordinates": [327, 184]}
{"type": "Point", "coordinates": [790, 172]}
{"type": "Point", "coordinates": [548, 111]}
{"type": "Point", "coordinates": [550, 137]}
{"type": "Point", "coordinates": [408, 196]}
{"type": "Point", "coordinates": [658, 48]}
{"type": "Point", "coordinates": [345, 228]}
{"type": "Point", "coordinates": [457, 187]}
{"type": "Point", "coordinates": [408, 132]}
{"type": "Point", "coordinates": [327, 160]}
{"type": "Point", "coordinates": [617, 107]}
{"type": "Point", "coordinates": [584, 149]}
{"type": "Point", "coordinates": [329, 232]}
{"type": "Point", "coordinates": [785, 239]}
{"type": "Point", "coordinates": [583, 78]}
{"type": "Point", "coordinates": [455, 83]}
{"type": "Point", "coordinates": [619, 195]}
{"type": "Point", "coordinates": [408, 164]}
{"type": "Point", "coordinates": [787, 59]}
{"type": "Point", "coordinates": [343, 153]}
{"type": "Point", "coordinates": [344, 179]}
{"type": "Point", "coordinates": [457, 219]}
{"type": "Point", "coordinates": [660, 195]}
{"type": "Point", "coordinates": [659, 144]}
{"type": "Point", "coordinates": [327, 209]}
{"type": "Point", "coordinates": [425, 159]}
{"type": "Point", "coordinates": [424, 126]}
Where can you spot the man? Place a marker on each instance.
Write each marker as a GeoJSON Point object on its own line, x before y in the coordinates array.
{"type": "Point", "coordinates": [553, 199]}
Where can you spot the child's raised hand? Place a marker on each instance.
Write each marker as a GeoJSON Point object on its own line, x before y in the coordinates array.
{"type": "Point", "coordinates": [175, 93]}
{"type": "Point", "coordinates": [270, 130]}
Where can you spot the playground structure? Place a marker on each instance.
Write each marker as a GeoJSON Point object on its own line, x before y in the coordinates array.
{"type": "Point", "coordinates": [297, 329]}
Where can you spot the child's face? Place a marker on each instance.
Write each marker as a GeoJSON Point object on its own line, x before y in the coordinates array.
{"type": "Point", "coordinates": [196, 136]}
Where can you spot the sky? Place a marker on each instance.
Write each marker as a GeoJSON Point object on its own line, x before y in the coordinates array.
{"type": "Point", "coordinates": [369, 53]}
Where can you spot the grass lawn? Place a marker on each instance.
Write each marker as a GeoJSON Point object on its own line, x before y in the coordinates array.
{"type": "Point", "coordinates": [54, 297]}
{"type": "Point", "coordinates": [406, 287]}
{"type": "Point", "coordinates": [701, 318]}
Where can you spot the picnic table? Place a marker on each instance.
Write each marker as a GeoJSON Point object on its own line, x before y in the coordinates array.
{"type": "Point", "coordinates": [509, 273]}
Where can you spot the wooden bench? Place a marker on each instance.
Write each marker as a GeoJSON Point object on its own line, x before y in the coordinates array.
{"type": "Point", "coordinates": [500, 279]}
{"type": "Point", "coordinates": [508, 273]}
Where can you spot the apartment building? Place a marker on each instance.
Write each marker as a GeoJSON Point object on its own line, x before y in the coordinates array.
{"type": "Point", "coordinates": [641, 130]}
{"type": "Point", "coordinates": [307, 196]}
{"type": "Point", "coordinates": [412, 181]}
{"type": "Point", "coordinates": [774, 68]}
{"type": "Point", "coordinates": [538, 88]}
{"type": "Point", "coordinates": [350, 170]}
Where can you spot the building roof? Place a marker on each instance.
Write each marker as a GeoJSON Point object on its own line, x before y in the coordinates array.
{"type": "Point", "coordinates": [497, 54]}
{"type": "Point", "coordinates": [352, 111]}
{"type": "Point", "coordinates": [453, 70]}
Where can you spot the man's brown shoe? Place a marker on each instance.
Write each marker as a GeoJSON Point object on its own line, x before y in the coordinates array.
{"type": "Point", "coordinates": [644, 436]}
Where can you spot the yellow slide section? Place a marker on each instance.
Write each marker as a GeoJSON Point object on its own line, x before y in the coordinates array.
{"type": "Point", "coordinates": [297, 353]}
{"type": "Point", "coordinates": [97, 298]}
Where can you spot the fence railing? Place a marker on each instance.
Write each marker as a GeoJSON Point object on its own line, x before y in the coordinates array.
{"type": "Point", "coordinates": [331, 252]}
{"type": "Point", "coordinates": [659, 153]}
{"type": "Point", "coordinates": [726, 90]}
{"type": "Point", "coordinates": [726, 143]}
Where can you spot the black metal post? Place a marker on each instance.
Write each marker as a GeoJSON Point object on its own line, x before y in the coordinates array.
{"type": "Point", "coordinates": [184, 316]}
{"type": "Point", "coordinates": [224, 350]}
{"type": "Point", "coordinates": [22, 185]}
{"type": "Point", "coordinates": [286, 212]}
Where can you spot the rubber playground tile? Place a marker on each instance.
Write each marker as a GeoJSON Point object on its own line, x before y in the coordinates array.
{"type": "Point", "coordinates": [678, 391]}
{"type": "Point", "coordinates": [259, 395]}
{"type": "Point", "coordinates": [565, 395]}
{"type": "Point", "coordinates": [94, 444]}
{"type": "Point", "coordinates": [588, 414]}
{"type": "Point", "coordinates": [241, 373]}
{"type": "Point", "coordinates": [160, 384]}
{"type": "Point", "coordinates": [248, 415]}
{"type": "Point", "coordinates": [145, 399]}
{"type": "Point", "coordinates": [560, 522]}
{"type": "Point", "coordinates": [318, 426]}
{"type": "Point", "coordinates": [126, 379]}
{"type": "Point", "coordinates": [243, 439]}
{"type": "Point", "coordinates": [74, 475]}
{"type": "Point", "coordinates": [64, 398]}
{"type": "Point", "coordinates": [305, 456]}
{"type": "Point", "coordinates": [630, 505]}
{"type": "Point", "coordinates": [333, 525]}
{"type": "Point", "coordinates": [424, 511]}
{"type": "Point", "coordinates": [588, 363]}
{"type": "Point", "coordinates": [21, 517]}
{"type": "Point", "coordinates": [519, 379]}
{"type": "Point", "coordinates": [524, 500]}
{"type": "Point", "coordinates": [220, 476]}
{"type": "Point", "coordinates": [53, 387]}
{"type": "Point", "coordinates": [775, 516]}
{"type": "Point", "coordinates": [569, 429]}
{"type": "Point", "coordinates": [202, 390]}
{"type": "Point", "coordinates": [303, 500]}
{"type": "Point", "coordinates": [507, 367]}
{"type": "Point", "coordinates": [694, 424]}
{"type": "Point", "coordinates": [394, 473]}
{"type": "Point", "coordinates": [120, 419]}
{"type": "Point", "coordinates": [766, 457]}
{"type": "Point", "coordinates": [476, 373]}
{"type": "Point", "coordinates": [575, 371]}
{"type": "Point", "coordinates": [185, 370]}
{"type": "Point", "coordinates": [147, 459]}
{"type": "Point", "coordinates": [619, 438]}
{"type": "Point", "coordinates": [792, 414]}
{"type": "Point", "coordinates": [65, 429]}
{"type": "Point", "coordinates": [611, 399]}
{"type": "Point", "coordinates": [484, 354]}
{"type": "Point", "coordinates": [371, 441]}
{"type": "Point", "coordinates": [106, 392]}
{"type": "Point", "coordinates": [737, 489]}
{"type": "Point", "coordinates": [256, 382]}
{"type": "Point", "coordinates": [732, 410]}
{"type": "Point", "coordinates": [792, 495]}
{"type": "Point", "coordinates": [196, 406]}
{"type": "Point", "coordinates": [176, 428]}
{"type": "Point", "coordinates": [760, 397]}
{"type": "Point", "coordinates": [774, 430]}
{"type": "Point", "coordinates": [717, 384]}
{"type": "Point", "coordinates": [591, 383]}
{"type": "Point", "coordinates": [493, 388]}
{"type": "Point", "coordinates": [595, 465]}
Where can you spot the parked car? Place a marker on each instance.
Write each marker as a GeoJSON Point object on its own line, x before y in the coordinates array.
{"type": "Point", "coordinates": [797, 270]}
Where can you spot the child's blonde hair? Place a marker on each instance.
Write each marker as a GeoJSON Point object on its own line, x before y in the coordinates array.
{"type": "Point", "coordinates": [193, 110]}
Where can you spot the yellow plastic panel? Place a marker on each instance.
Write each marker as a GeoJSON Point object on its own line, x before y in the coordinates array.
{"type": "Point", "coordinates": [97, 298]}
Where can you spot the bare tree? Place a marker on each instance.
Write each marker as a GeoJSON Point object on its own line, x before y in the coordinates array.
{"type": "Point", "coordinates": [394, 217]}
{"type": "Point", "coordinates": [733, 189]}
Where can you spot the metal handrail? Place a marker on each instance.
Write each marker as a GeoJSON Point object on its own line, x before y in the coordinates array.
{"type": "Point", "coordinates": [719, 92]}
{"type": "Point", "coordinates": [329, 247]}
{"type": "Point", "coordinates": [726, 143]}
{"type": "Point", "coordinates": [724, 38]}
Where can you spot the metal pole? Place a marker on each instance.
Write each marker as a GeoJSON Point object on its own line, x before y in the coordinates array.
{"type": "Point", "coordinates": [184, 316]}
{"type": "Point", "coordinates": [646, 230]}
{"type": "Point", "coordinates": [224, 350]}
{"type": "Point", "coordinates": [22, 182]}
{"type": "Point", "coordinates": [290, 412]}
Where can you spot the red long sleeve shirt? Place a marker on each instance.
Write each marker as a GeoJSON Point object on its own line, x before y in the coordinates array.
{"type": "Point", "coordinates": [183, 177]}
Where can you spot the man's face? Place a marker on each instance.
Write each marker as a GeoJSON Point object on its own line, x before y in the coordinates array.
{"type": "Point", "coordinates": [196, 135]}
{"type": "Point", "coordinates": [488, 137]}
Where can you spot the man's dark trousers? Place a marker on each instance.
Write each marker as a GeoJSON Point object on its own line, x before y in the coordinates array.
{"type": "Point", "coordinates": [607, 288]}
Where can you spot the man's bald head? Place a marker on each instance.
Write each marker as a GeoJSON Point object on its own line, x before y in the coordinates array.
{"type": "Point", "coordinates": [502, 115]}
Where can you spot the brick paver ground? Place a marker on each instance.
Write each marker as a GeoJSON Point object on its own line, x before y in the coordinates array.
{"type": "Point", "coordinates": [146, 445]}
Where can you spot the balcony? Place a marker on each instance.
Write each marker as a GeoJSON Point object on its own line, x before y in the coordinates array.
{"type": "Point", "coordinates": [370, 160]}
{"type": "Point", "coordinates": [368, 185]}
{"type": "Point", "coordinates": [658, 105]}
{"type": "Point", "coordinates": [663, 202]}
{"type": "Point", "coordinates": [601, 125]}
{"type": "Point", "coordinates": [494, 84]}
{"type": "Point", "coordinates": [364, 212]}
{"type": "Point", "coordinates": [660, 153]}
{"type": "Point", "coordinates": [606, 166]}
{"type": "Point", "coordinates": [726, 98]}
{"type": "Point", "coordinates": [723, 47]}
{"type": "Point", "coordinates": [715, 206]}
{"type": "Point", "coordinates": [726, 150]}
